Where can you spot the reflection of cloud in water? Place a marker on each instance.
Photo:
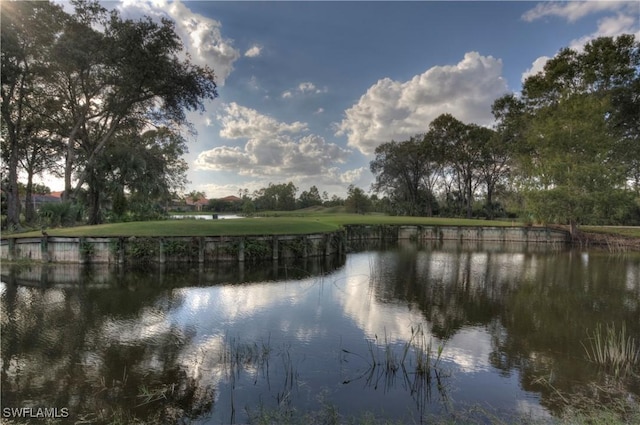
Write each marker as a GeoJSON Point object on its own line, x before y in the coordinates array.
{"type": "Point", "coordinates": [149, 325]}
{"type": "Point", "coordinates": [240, 302]}
{"type": "Point", "coordinates": [469, 349]}
{"type": "Point", "coordinates": [633, 277]}
{"type": "Point", "coordinates": [373, 317]}
{"type": "Point", "coordinates": [532, 408]}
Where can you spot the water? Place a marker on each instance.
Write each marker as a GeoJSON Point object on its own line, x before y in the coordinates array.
{"type": "Point", "coordinates": [205, 216]}
{"type": "Point", "coordinates": [217, 344]}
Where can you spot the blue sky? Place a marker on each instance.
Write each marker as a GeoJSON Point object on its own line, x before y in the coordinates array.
{"type": "Point", "coordinates": [309, 89]}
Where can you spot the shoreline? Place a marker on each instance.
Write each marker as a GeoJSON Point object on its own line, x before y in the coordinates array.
{"type": "Point", "coordinates": [241, 248]}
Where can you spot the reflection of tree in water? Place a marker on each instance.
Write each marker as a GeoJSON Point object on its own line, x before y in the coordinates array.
{"type": "Point", "coordinates": [537, 308]}
{"type": "Point", "coordinates": [449, 300]}
{"type": "Point", "coordinates": [103, 347]}
{"type": "Point", "coordinates": [56, 351]}
{"type": "Point", "coordinates": [547, 318]}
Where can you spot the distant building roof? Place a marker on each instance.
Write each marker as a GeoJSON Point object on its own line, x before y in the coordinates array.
{"type": "Point", "coordinates": [202, 201]}
{"type": "Point", "coordinates": [230, 198]}
{"type": "Point", "coordinates": [57, 194]}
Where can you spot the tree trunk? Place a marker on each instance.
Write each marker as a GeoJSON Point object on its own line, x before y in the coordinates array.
{"type": "Point", "coordinates": [469, 200]}
{"type": "Point", "coordinates": [489, 201]}
{"type": "Point", "coordinates": [573, 228]}
{"type": "Point", "coordinates": [94, 206]}
{"type": "Point", "coordinates": [68, 165]}
{"type": "Point", "coordinates": [29, 208]}
{"type": "Point", "coordinates": [13, 197]}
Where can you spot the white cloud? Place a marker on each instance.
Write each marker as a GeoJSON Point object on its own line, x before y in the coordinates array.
{"type": "Point", "coordinates": [575, 10]}
{"type": "Point", "coordinates": [319, 111]}
{"type": "Point", "coordinates": [213, 190]}
{"type": "Point", "coordinates": [202, 36]}
{"type": "Point", "coordinates": [352, 176]}
{"type": "Point", "coordinates": [394, 110]}
{"type": "Point", "coordinates": [253, 52]}
{"type": "Point", "coordinates": [240, 122]}
{"type": "Point", "coordinates": [610, 26]}
{"type": "Point", "coordinates": [273, 148]}
{"type": "Point", "coordinates": [306, 87]}
{"type": "Point", "coordinates": [623, 19]}
{"type": "Point", "coordinates": [536, 67]}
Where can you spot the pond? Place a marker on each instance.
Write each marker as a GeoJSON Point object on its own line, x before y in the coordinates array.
{"type": "Point", "coordinates": [407, 333]}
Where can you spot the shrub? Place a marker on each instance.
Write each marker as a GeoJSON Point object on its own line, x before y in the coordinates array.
{"type": "Point", "coordinates": [60, 214]}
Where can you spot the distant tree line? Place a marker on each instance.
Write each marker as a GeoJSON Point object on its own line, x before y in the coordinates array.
{"type": "Point", "coordinates": [283, 197]}
{"type": "Point", "coordinates": [567, 150]}
{"type": "Point", "coordinates": [98, 100]}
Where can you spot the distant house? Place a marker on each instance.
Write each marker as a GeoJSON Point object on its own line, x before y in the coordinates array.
{"type": "Point", "coordinates": [196, 205]}
{"type": "Point", "coordinates": [230, 199]}
{"type": "Point", "coordinates": [40, 200]}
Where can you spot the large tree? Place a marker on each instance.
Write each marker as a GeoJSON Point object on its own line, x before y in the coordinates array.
{"type": "Point", "coordinates": [28, 31]}
{"type": "Point", "coordinates": [581, 136]}
{"type": "Point", "coordinates": [95, 76]}
{"type": "Point", "coordinates": [407, 172]}
{"type": "Point", "coordinates": [138, 173]}
{"type": "Point", "coordinates": [115, 73]}
{"type": "Point", "coordinates": [462, 146]}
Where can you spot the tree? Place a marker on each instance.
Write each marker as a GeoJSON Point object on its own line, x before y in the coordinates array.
{"type": "Point", "coordinates": [494, 164]}
{"type": "Point", "coordinates": [579, 131]}
{"type": "Point", "coordinates": [461, 145]}
{"type": "Point", "coordinates": [114, 72]}
{"type": "Point", "coordinates": [139, 172]}
{"type": "Point", "coordinates": [357, 201]}
{"type": "Point", "coordinates": [309, 198]}
{"type": "Point", "coordinates": [27, 33]}
{"type": "Point", "coordinates": [407, 172]}
{"type": "Point", "coordinates": [276, 197]}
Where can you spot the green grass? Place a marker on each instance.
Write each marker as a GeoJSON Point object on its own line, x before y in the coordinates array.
{"type": "Point", "coordinates": [281, 223]}
{"type": "Point", "coordinates": [631, 231]}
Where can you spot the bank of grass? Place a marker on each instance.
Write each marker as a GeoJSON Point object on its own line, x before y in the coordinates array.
{"type": "Point", "coordinates": [628, 231]}
{"type": "Point", "coordinates": [279, 223]}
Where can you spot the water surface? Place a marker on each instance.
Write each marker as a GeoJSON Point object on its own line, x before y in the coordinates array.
{"type": "Point", "coordinates": [505, 325]}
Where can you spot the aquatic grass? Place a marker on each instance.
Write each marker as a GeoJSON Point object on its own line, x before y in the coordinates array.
{"type": "Point", "coordinates": [235, 355]}
{"type": "Point", "coordinates": [613, 349]}
{"type": "Point", "coordinates": [149, 395]}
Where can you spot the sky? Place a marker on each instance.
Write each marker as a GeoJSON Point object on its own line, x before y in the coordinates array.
{"type": "Point", "coordinates": [308, 90]}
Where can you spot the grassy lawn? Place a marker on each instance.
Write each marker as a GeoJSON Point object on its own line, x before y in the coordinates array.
{"type": "Point", "coordinates": [631, 231]}
{"type": "Point", "coordinates": [276, 223]}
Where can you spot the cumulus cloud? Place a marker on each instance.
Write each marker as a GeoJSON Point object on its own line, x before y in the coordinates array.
{"type": "Point", "coordinates": [623, 19]}
{"type": "Point", "coordinates": [273, 148]}
{"type": "Point", "coordinates": [536, 67]}
{"type": "Point", "coordinates": [253, 52]}
{"type": "Point", "coordinates": [239, 122]}
{"type": "Point", "coordinates": [201, 36]}
{"type": "Point", "coordinates": [396, 110]}
{"type": "Point", "coordinates": [352, 176]}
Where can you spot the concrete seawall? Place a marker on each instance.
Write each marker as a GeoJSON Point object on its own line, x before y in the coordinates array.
{"type": "Point", "coordinates": [202, 249]}
{"type": "Point", "coordinates": [458, 233]}
{"type": "Point", "coordinates": [209, 249]}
